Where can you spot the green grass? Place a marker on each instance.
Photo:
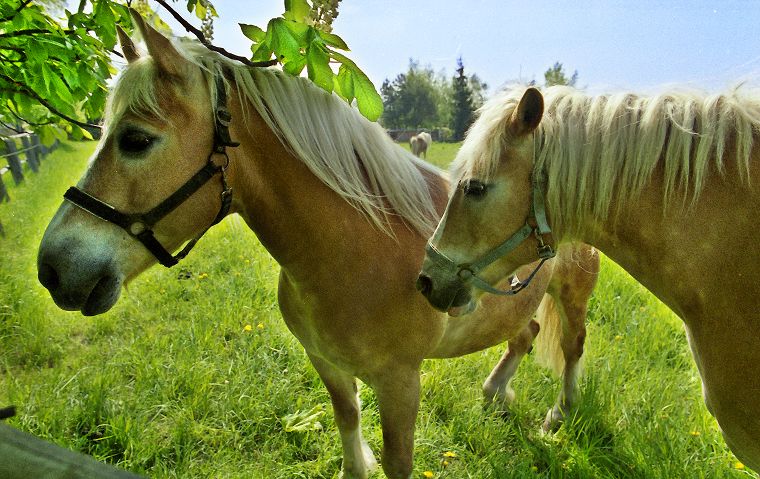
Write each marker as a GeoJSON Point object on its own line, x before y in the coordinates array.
{"type": "Point", "coordinates": [439, 154]}
{"type": "Point", "coordinates": [171, 382]}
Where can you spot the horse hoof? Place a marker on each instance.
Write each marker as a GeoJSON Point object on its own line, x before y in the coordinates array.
{"type": "Point", "coordinates": [554, 419]}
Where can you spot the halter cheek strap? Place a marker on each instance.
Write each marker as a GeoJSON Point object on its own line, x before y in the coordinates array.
{"type": "Point", "coordinates": [536, 224]}
{"type": "Point", "coordinates": [140, 225]}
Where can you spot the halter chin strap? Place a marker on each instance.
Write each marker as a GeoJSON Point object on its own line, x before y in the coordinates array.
{"type": "Point", "coordinates": [140, 225]}
{"type": "Point", "coordinates": [535, 225]}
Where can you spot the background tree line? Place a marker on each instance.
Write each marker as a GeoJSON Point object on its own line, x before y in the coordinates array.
{"type": "Point", "coordinates": [420, 98]}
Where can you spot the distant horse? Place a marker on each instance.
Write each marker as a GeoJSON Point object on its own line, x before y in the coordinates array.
{"type": "Point", "coordinates": [660, 184]}
{"type": "Point", "coordinates": [420, 143]}
{"type": "Point", "coordinates": [342, 208]}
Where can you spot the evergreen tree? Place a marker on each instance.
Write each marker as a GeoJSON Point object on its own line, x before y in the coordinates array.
{"type": "Point", "coordinates": [556, 76]}
{"type": "Point", "coordinates": [462, 111]}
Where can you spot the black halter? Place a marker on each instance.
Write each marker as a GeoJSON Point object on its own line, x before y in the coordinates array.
{"type": "Point", "coordinates": [140, 225]}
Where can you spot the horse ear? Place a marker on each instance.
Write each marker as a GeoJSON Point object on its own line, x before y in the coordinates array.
{"type": "Point", "coordinates": [167, 59]}
{"type": "Point", "coordinates": [127, 46]}
{"type": "Point", "coordinates": [528, 113]}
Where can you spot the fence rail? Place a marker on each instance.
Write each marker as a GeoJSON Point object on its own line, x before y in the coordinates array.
{"type": "Point", "coordinates": [27, 145]}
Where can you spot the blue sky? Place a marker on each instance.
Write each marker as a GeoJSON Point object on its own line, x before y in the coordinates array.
{"type": "Point", "coordinates": [614, 45]}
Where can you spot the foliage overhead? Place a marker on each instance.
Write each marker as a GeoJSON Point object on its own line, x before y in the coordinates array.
{"type": "Point", "coordinates": [54, 71]}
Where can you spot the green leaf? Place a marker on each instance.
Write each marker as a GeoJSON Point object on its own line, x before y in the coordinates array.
{"type": "Point", "coordinates": [297, 10]}
{"type": "Point", "coordinates": [344, 83]}
{"type": "Point", "coordinates": [261, 52]}
{"type": "Point", "coordinates": [253, 32]}
{"type": "Point", "coordinates": [283, 43]}
{"type": "Point", "coordinates": [367, 99]}
{"type": "Point", "coordinates": [200, 10]}
{"type": "Point", "coordinates": [295, 65]}
{"type": "Point", "coordinates": [333, 40]}
{"type": "Point", "coordinates": [318, 67]}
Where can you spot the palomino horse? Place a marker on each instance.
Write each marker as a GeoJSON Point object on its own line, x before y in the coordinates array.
{"type": "Point", "coordinates": [420, 143]}
{"type": "Point", "coordinates": [660, 184]}
{"type": "Point", "coordinates": [343, 210]}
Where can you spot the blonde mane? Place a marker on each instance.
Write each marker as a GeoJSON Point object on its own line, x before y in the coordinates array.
{"type": "Point", "coordinates": [593, 149]}
{"type": "Point", "coordinates": [351, 155]}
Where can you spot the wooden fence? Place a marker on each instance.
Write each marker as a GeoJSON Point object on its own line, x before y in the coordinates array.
{"type": "Point", "coordinates": [27, 145]}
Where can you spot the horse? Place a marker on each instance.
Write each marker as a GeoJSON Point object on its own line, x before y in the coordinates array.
{"type": "Point", "coordinates": [420, 143]}
{"type": "Point", "coordinates": [342, 208]}
{"type": "Point", "coordinates": [660, 184]}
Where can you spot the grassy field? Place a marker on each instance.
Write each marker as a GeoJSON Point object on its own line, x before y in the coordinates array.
{"type": "Point", "coordinates": [194, 375]}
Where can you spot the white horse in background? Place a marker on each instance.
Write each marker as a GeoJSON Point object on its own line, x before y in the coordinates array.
{"type": "Point", "coordinates": [420, 143]}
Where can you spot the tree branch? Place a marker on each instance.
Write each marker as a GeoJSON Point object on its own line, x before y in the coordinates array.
{"type": "Point", "coordinates": [32, 31]}
{"type": "Point", "coordinates": [199, 35]}
{"type": "Point", "coordinates": [16, 115]}
{"type": "Point", "coordinates": [10, 127]}
{"type": "Point", "coordinates": [29, 92]}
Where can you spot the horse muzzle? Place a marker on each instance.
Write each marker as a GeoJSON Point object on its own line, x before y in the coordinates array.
{"type": "Point", "coordinates": [78, 281]}
{"type": "Point", "coordinates": [443, 288]}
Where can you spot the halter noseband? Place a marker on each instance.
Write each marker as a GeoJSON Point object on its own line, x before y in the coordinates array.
{"type": "Point", "coordinates": [536, 225]}
{"type": "Point", "coordinates": [140, 225]}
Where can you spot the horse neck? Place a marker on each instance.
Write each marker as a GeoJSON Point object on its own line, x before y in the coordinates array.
{"type": "Point", "coordinates": [300, 220]}
{"type": "Point", "coordinates": [680, 251]}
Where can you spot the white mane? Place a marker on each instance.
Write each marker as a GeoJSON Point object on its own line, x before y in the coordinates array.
{"type": "Point", "coordinates": [594, 149]}
{"type": "Point", "coordinates": [351, 155]}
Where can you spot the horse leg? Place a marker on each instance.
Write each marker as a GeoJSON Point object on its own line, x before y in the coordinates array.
{"type": "Point", "coordinates": [398, 398]}
{"type": "Point", "coordinates": [358, 459]}
{"type": "Point", "coordinates": [497, 391]}
{"type": "Point", "coordinates": [569, 293]}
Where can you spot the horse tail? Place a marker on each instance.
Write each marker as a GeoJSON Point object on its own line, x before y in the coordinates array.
{"type": "Point", "coordinates": [548, 343]}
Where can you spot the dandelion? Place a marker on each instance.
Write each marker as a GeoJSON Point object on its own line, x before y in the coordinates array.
{"type": "Point", "coordinates": [449, 454]}
{"type": "Point", "coordinates": [445, 463]}
{"type": "Point", "coordinates": [695, 433]}
{"type": "Point", "coordinates": [247, 327]}
{"type": "Point", "coordinates": [428, 474]}
{"type": "Point", "coordinates": [739, 466]}
{"type": "Point", "coordinates": [203, 276]}
{"type": "Point", "coordinates": [260, 326]}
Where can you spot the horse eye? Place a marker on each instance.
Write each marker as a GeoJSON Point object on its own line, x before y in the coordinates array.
{"type": "Point", "coordinates": [474, 188]}
{"type": "Point", "coordinates": [135, 141]}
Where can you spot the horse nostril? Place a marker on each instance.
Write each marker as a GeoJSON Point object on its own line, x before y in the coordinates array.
{"type": "Point", "coordinates": [48, 276]}
{"type": "Point", "coordinates": [424, 285]}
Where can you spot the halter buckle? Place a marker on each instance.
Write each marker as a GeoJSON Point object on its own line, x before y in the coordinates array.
{"type": "Point", "coordinates": [137, 227]}
{"type": "Point", "coordinates": [465, 273]}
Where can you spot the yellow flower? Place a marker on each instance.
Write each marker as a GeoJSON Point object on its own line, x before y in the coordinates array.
{"type": "Point", "coordinates": [445, 463]}
{"type": "Point", "coordinates": [203, 276]}
{"type": "Point", "coordinates": [449, 454]}
{"type": "Point", "coordinates": [428, 474]}
{"type": "Point", "coordinates": [695, 433]}
{"type": "Point", "coordinates": [260, 325]}
{"type": "Point", "coordinates": [739, 465]}
{"type": "Point", "coordinates": [618, 337]}
{"type": "Point", "coordinates": [247, 327]}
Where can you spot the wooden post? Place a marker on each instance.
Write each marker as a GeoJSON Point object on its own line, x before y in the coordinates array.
{"type": "Point", "coordinates": [14, 163]}
{"type": "Point", "coordinates": [25, 456]}
{"type": "Point", "coordinates": [39, 149]}
{"type": "Point", "coordinates": [31, 153]}
{"type": "Point", "coordinates": [4, 196]}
